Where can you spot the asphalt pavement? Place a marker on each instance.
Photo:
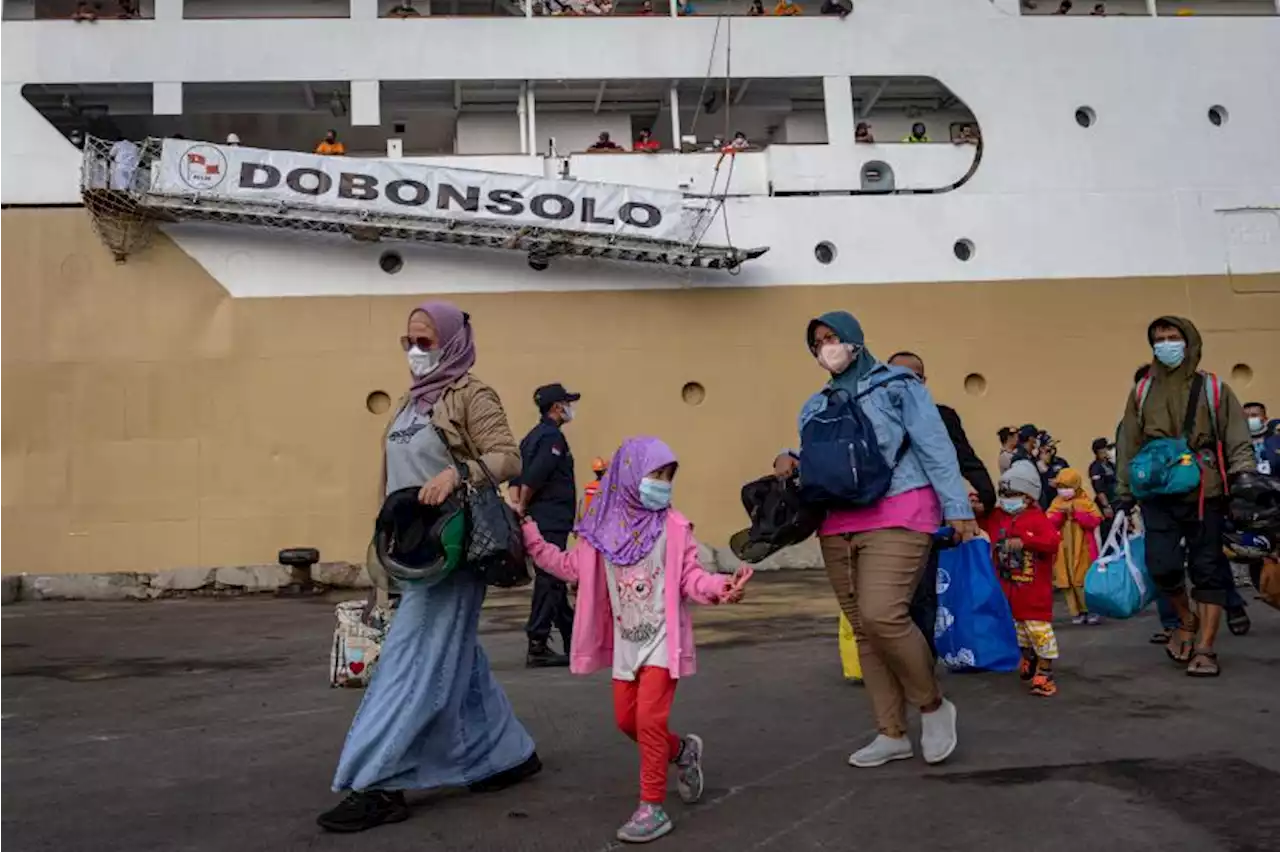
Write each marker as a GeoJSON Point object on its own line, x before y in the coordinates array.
{"type": "Point", "coordinates": [208, 724]}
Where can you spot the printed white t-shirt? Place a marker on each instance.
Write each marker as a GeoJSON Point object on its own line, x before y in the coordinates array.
{"type": "Point", "coordinates": [639, 612]}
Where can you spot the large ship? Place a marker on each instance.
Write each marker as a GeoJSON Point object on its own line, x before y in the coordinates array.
{"type": "Point", "coordinates": [198, 375]}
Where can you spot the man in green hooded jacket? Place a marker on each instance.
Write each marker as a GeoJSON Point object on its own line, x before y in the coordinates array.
{"type": "Point", "coordinates": [1184, 531]}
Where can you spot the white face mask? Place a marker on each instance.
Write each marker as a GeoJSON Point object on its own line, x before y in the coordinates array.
{"type": "Point", "coordinates": [1256, 426]}
{"type": "Point", "coordinates": [835, 357]}
{"type": "Point", "coordinates": [568, 413]}
{"type": "Point", "coordinates": [423, 362]}
{"type": "Point", "coordinates": [1066, 493]}
{"type": "Point", "coordinates": [1111, 455]}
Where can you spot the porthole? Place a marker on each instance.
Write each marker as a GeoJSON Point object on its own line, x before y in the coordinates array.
{"type": "Point", "coordinates": [693, 393]}
{"type": "Point", "coordinates": [825, 252]}
{"type": "Point", "coordinates": [391, 262]}
{"type": "Point", "coordinates": [1217, 115]}
{"type": "Point", "coordinates": [963, 249]}
{"type": "Point", "coordinates": [975, 384]}
{"type": "Point", "coordinates": [378, 402]}
{"type": "Point", "coordinates": [1241, 376]}
{"type": "Point", "coordinates": [1085, 116]}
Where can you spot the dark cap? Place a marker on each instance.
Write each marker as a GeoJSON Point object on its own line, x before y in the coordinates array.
{"type": "Point", "coordinates": [548, 395]}
{"type": "Point", "coordinates": [1027, 432]}
{"type": "Point", "coordinates": [1100, 444]}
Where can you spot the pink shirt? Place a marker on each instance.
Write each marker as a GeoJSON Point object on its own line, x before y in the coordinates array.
{"type": "Point", "coordinates": [917, 510]}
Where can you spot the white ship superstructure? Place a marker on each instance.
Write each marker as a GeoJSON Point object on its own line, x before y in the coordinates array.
{"type": "Point", "coordinates": [1081, 171]}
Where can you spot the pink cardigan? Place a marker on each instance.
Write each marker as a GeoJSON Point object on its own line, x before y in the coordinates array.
{"type": "Point", "coordinates": [592, 646]}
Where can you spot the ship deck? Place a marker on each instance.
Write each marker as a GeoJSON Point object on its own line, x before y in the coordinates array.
{"type": "Point", "coordinates": [207, 725]}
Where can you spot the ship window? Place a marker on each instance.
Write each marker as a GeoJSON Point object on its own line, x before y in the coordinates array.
{"type": "Point", "coordinates": [391, 262]}
{"type": "Point", "coordinates": [1085, 116]}
{"type": "Point", "coordinates": [877, 176]}
{"type": "Point", "coordinates": [1217, 115]}
{"type": "Point", "coordinates": [693, 393]}
{"type": "Point", "coordinates": [825, 252]}
{"type": "Point", "coordinates": [963, 249]}
{"type": "Point", "coordinates": [378, 402]}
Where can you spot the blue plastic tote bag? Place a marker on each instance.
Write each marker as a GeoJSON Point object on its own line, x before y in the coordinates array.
{"type": "Point", "coordinates": [1118, 585]}
{"type": "Point", "coordinates": [974, 628]}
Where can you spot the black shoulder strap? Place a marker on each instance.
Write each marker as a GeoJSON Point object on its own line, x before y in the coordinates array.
{"type": "Point", "coordinates": [1193, 403]}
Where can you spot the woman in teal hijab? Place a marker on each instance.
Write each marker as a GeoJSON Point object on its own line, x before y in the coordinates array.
{"type": "Point", "coordinates": [840, 327]}
{"type": "Point", "coordinates": [875, 554]}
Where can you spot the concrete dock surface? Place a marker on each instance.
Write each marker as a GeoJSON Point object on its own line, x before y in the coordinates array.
{"type": "Point", "coordinates": [208, 724]}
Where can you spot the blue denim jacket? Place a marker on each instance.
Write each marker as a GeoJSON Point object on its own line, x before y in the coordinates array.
{"type": "Point", "coordinates": [898, 409]}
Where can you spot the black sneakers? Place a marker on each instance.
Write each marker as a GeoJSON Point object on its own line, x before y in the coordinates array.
{"type": "Point", "coordinates": [541, 656]}
{"type": "Point", "coordinates": [509, 777]}
{"type": "Point", "coordinates": [364, 810]}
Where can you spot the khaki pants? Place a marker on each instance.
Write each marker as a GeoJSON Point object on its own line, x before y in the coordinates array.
{"type": "Point", "coordinates": [874, 575]}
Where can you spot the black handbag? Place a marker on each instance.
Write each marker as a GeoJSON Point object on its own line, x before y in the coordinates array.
{"type": "Point", "coordinates": [495, 544]}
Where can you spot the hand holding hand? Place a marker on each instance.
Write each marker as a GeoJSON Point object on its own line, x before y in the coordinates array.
{"type": "Point", "coordinates": [965, 529]}
{"type": "Point", "coordinates": [439, 488]}
{"type": "Point", "coordinates": [735, 589]}
{"type": "Point", "coordinates": [514, 501]}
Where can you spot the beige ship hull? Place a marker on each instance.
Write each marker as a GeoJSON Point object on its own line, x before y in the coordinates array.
{"type": "Point", "coordinates": [152, 422]}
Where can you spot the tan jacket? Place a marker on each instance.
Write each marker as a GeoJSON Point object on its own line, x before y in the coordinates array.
{"type": "Point", "coordinates": [469, 414]}
{"type": "Point", "coordinates": [468, 408]}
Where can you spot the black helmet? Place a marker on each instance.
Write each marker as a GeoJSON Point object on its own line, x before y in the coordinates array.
{"type": "Point", "coordinates": [1255, 504]}
{"type": "Point", "coordinates": [417, 542]}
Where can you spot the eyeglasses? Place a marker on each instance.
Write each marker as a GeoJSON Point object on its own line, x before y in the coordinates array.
{"type": "Point", "coordinates": [423, 343]}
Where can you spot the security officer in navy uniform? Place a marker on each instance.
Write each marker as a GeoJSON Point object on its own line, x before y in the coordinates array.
{"type": "Point", "coordinates": [548, 491]}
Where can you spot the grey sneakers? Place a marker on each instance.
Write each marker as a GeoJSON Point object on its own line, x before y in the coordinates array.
{"type": "Point", "coordinates": [689, 770]}
{"type": "Point", "coordinates": [938, 733]}
{"type": "Point", "coordinates": [937, 741]}
{"type": "Point", "coordinates": [880, 751]}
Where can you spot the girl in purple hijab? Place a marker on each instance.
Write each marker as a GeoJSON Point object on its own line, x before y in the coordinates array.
{"type": "Point", "coordinates": [636, 566]}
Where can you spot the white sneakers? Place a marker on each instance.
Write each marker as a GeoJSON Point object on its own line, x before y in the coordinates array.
{"type": "Point", "coordinates": [937, 740]}
{"type": "Point", "coordinates": [881, 750]}
{"type": "Point", "coordinates": [938, 733]}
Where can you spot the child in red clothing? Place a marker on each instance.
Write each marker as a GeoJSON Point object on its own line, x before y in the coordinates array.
{"type": "Point", "coordinates": [1025, 544]}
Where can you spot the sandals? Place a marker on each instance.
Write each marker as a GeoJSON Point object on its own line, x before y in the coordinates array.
{"type": "Point", "coordinates": [1185, 646]}
{"type": "Point", "coordinates": [1044, 686]}
{"type": "Point", "coordinates": [1204, 663]}
{"type": "Point", "coordinates": [1026, 668]}
{"type": "Point", "coordinates": [1238, 621]}
{"type": "Point", "coordinates": [1161, 636]}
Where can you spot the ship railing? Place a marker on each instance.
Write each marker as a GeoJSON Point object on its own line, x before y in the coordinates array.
{"type": "Point", "coordinates": [128, 194]}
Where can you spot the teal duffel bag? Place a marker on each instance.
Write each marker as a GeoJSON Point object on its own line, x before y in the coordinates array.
{"type": "Point", "coordinates": [1165, 466]}
{"type": "Point", "coordinates": [1168, 466]}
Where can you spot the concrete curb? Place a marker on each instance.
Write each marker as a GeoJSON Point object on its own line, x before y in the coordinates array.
{"type": "Point", "coordinates": [182, 582]}
{"type": "Point", "coordinates": [253, 579]}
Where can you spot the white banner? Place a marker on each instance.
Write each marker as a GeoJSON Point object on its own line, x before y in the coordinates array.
{"type": "Point", "coordinates": [399, 188]}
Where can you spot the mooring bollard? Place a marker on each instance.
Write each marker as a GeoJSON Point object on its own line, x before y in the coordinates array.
{"type": "Point", "coordinates": [299, 561]}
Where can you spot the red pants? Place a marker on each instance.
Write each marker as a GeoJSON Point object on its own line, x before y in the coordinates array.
{"type": "Point", "coordinates": [642, 708]}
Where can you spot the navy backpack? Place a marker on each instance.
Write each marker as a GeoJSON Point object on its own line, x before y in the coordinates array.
{"type": "Point", "coordinates": [840, 460]}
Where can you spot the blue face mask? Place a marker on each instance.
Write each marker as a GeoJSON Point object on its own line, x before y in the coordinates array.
{"type": "Point", "coordinates": [655, 494]}
{"type": "Point", "coordinates": [1170, 352]}
{"type": "Point", "coordinates": [1012, 505]}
